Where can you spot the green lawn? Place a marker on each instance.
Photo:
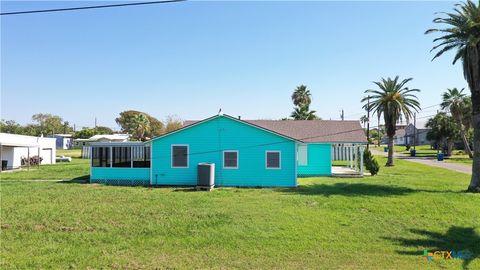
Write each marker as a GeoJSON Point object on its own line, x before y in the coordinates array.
{"type": "Point", "coordinates": [464, 159]}
{"type": "Point", "coordinates": [70, 152]}
{"type": "Point", "coordinates": [426, 151]}
{"type": "Point", "coordinates": [422, 150]}
{"type": "Point", "coordinates": [78, 168]}
{"type": "Point", "coordinates": [380, 222]}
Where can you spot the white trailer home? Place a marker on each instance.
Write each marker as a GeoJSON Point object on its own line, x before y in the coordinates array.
{"type": "Point", "coordinates": [14, 147]}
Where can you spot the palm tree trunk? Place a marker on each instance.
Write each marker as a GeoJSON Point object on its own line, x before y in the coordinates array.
{"type": "Point", "coordinates": [475, 181]}
{"type": "Point", "coordinates": [471, 70]}
{"type": "Point", "coordinates": [463, 134]}
{"type": "Point", "coordinates": [390, 151]}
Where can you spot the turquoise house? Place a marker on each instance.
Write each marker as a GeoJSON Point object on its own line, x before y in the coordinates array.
{"type": "Point", "coordinates": [246, 153]}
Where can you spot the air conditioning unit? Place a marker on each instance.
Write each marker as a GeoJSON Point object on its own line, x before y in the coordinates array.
{"type": "Point", "coordinates": [205, 176]}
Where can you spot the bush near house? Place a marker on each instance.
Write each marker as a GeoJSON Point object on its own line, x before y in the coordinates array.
{"type": "Point", "coordinates": [370, 162]}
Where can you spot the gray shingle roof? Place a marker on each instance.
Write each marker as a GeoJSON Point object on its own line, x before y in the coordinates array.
{"type": "Point", "coordinates": [334, 131]}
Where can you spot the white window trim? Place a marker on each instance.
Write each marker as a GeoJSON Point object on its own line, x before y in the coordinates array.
{"type": "Point", "coordinates": [279, 159]}
{"type": "Point", "coordinates": [171, 158]}
{"type": "Point", "coordinates": [238, 159]}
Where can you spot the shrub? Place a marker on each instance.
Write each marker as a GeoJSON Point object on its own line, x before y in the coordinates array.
{"type": "Point", "coordinates": [35, 160]}
{"type": "Point", "coordinates": [408, 146]}
{"type": "Point", "coordinates": [370, 162]}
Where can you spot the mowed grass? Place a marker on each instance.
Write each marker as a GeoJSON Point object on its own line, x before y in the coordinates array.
{"type": "Point", "coordinates": [381, 222]}
{"type": "Point", "coordinates": [76, 153]}
{"type": "Point", "coordinates": [426, 151]}
{"type": "Point", "coordinates": [78, 168]}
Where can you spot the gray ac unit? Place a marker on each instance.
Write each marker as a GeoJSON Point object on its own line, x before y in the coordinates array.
{"type": "Point", "coordinates": [206, 175]}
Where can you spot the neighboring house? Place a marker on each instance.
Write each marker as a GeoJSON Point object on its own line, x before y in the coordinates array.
{"type": "Point", "coordinates": [78, 143]}
{"type": "Point", "coordinates": [64, 141]}
{"type": "Point", "coordinates": [14, 147]}
{"type": "Point", "coordinates": [245, 153]}
{"type": "Point", "coordinates": [419, 132]}
{"type": "Point", "coordinates": [399, 138]}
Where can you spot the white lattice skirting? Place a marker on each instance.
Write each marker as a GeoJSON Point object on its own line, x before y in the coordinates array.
{"type": "Point", "coordinates": [121, 182]}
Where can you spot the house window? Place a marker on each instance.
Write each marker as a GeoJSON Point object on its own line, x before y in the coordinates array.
{"type": "Point", "coordinates": [179, 156]}
{"type": "Point", "coordinates": [141, 157]}
{"type": "Point", "coordinates": [121, 157]}
{"type": "Point", "coordinates": [303, 154]}
{"type": "Point", "coordinates": [230, 159]}
{"type": "Point", "coordinates": [272, 159]}
{"type": "Point", "coordinates": [100, 156]}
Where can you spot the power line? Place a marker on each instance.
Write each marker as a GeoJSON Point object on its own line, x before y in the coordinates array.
{"type": "Point", "coordinates": [274, 143]}
{"type": "Point", "coordinates": [89, 7]}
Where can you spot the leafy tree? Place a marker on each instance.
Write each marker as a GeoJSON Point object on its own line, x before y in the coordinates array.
{"type": "Point", "coordinates": [462, 33]}
{"type": "Point", "coordinates": [85, 133]}
{"type": "Point", "coordinates": [32, 130]}
{"type": "Point", "coordinates": [458, 104]}
{"type": "Point", "coordinates": [103, 130]}
{"type": "Point", "coordinates": [173, 123]}
{"type": "Point", "coordinates": [394, 100]}
{"type": "Point", "coordinates": [127, 123]}
{"type": "Point", "coordinates": [444, 131]}
{"type": "Point", "coordinates": [304, 113]}
{"type": "Point", "coordinates": [301, 96]}
{"type": "Point", "coordinates": [10, 126]}
{"type": "Point", "coordinates": [49, 124]}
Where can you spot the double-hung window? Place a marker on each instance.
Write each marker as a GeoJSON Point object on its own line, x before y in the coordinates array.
{"type": "Point", "coordinates": [179, 156]}
{"type": "Point", "coordinates": [230, 159]}
{"type": "Point", "coordinates": [272, 160]}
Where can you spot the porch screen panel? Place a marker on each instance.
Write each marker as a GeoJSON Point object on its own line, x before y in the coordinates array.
{"type": "Point", "coordinates": [100, 156]}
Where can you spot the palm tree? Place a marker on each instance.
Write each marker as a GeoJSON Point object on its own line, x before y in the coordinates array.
{"type": "Point", "coordinates": [394, 100]}
{"type": "Point", "coordinates": [301, 96]}
{"type": "Point", "coordinates": [363, 120]}
{"type": "Point", "coordinates": [304, 113]}
{"type": "Point", "coordinates": [457, 103]}
{"type": "Point", "coordinates": [462, 33]}
{"type": "Point", "coordinates": [141, 125]}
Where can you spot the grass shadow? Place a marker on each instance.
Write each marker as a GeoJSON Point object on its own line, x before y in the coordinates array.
{"type": "Point", "coordinates": [346, 189]}
{"type": "Point", "coordinates": [463, 239]}
{"type": "Point", "coordinates": [84, 179]}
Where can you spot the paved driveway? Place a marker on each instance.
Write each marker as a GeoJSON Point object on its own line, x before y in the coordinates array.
{"type": "Point", "coordinates": [463, 168]}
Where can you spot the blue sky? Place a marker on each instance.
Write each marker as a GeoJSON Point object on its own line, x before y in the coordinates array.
{"type": "Point", "coordinates": [192, 58]}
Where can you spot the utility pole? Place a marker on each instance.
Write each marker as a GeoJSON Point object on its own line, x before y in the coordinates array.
{"type": "Point", "coordinates": [95, 122]}
{"type": "Point", "coordinates": [342, 115]}
{"type": "Point", "coordinates": [378, 129]}
{"type": "Point", "coordinates": [368, 121]}
{"type": "Point", "coordinates": [414, 130]}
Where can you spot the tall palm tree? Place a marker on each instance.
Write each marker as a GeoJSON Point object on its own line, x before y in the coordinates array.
{"type": "Point", "coordinates": [301, 96]}
{"type": "Point", "coordinates": [304, 113]}
{"type": "Point", "coordinates": [456, 102]}
{"type": "Point", "coordinates": [462, 33]}
{"type": "Point", "coordinates": [363, 120]}
{"type": "Point", "coordinates": [141, 125]}
{"type": "Point", "coordinates": [394, 100]}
